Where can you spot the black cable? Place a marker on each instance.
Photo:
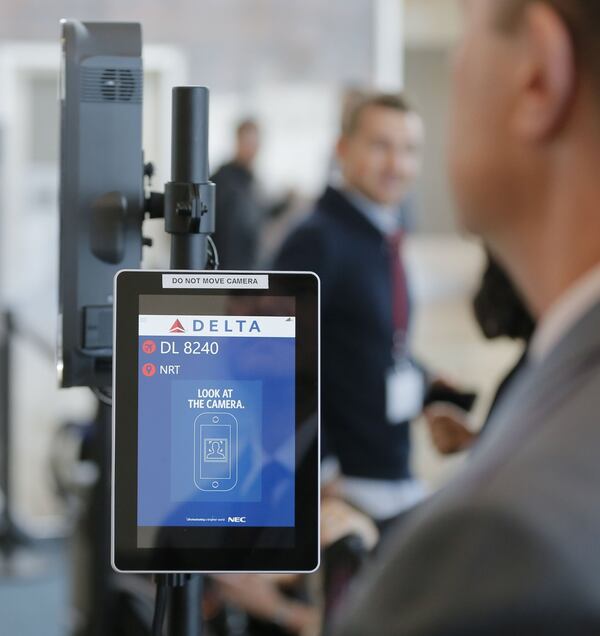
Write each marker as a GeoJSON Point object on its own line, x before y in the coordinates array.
{"type": "Point", "coordinates": [104, 395]}
{"type": "Point", "coordinates": [214, 259]}
{"type": "Point", "coordinates": [160, 609]}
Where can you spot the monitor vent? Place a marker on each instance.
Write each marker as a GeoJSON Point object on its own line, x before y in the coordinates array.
{"type": "Point", "coordinates": [111, 85]}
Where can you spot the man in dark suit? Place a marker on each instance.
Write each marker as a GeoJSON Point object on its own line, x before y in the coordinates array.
{"type": "Point", "coordinates": [242, 208]}
{"type": "Point", "coordinates": [511, 545]}
{"type": "Point", "coordinates": [239, 210]}
{"type": "Point", "coordinates": [353, 241]}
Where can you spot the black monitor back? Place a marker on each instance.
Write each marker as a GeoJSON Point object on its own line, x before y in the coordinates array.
{"type": "Point", "coordinates": [101, 188]}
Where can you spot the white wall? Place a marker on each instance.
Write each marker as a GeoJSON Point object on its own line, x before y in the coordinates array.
{"type": "Point", "coordinates": [428, 86]}
{"type": "Point", "coordinates": [432, 23]}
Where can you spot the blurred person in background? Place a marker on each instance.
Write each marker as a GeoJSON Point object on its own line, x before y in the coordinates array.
{"type": "Point", "coordinates": [353, 240]}
{"type": "Point", "coordinates": [278, 604]}
{"type": "Point", "coordinates": [510, 546]}
{"type": "Point", "coordinates": [242, 209]}
{"type": "Point", "coordinates": [262, 605]}
{"type": "Point", "coordinates": [351, 99]}
{"type": "Point", "coordinates": [500, 313]}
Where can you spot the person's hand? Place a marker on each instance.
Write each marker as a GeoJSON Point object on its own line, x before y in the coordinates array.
{"type": "Point", "coordinates": [339, 520]}
{"type": "Point", "coordinates": [441, 381]}
{"type": "Point", "coordinates": [255, 595]}
{"type": "Point", "coordinates": [259, 596]}
{"type": "Point", "coordinates": [448, 426]}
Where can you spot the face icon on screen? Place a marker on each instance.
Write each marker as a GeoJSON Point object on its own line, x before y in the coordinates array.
{"type": "Point", "coordinates": [215, 452]}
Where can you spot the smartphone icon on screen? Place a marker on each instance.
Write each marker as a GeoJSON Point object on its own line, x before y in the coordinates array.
{"type": "Point", "coordinates": [215, 452]}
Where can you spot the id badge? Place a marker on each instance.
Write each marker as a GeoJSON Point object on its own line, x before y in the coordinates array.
{"type": "Point", "coordinates": [405, 390]}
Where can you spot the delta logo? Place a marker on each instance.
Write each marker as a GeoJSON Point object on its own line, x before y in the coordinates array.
{"type": "Point", "coordinates": [177, 327]}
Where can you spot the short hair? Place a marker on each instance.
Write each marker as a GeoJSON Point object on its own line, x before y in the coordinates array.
{"type": "Point", "coordinates": [246, 125]}
{"type": "Point", "coordinates": [582, 18]}
{"type": "Point", "coordinates": [394, 101]}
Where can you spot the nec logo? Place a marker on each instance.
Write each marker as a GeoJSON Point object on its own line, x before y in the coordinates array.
{"type": "Point", "coordinates": [236, 519]}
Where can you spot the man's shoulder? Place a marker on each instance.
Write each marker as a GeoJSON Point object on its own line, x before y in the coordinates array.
{"type": "Point", "coordinates": [319, 223]}
{"type": "Point", "coordinates": [332, 214]}
{"type": "Point", "coordinates": [231, 172]}
{"type": "Point", "coordinates": [320, 242]}
{"type": "Point", "coordinates": [548, 478]}
{"type": "Point", "coordinates": [223, 169]}
{"type": "Point", "coordinates": [513, 538]}
{"type": "Point", "coordinates": [557, 434]}
{"type": "Point", "coordinates": [314, 233]}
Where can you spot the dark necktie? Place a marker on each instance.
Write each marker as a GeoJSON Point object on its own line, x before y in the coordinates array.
{"type": "Point", "coordinates": [400, 307]}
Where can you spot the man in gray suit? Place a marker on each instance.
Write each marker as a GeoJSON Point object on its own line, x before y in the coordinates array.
{"type": "Point", "coordinates": [512, 546]}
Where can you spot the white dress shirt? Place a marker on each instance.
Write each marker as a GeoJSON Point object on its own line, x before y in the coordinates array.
{"type": "Point", "coordinates": [564, 314]}
{"type": "Point", "coordinates": [384, 218]}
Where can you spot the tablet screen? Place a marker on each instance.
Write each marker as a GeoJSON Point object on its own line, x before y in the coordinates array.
{"type": "Point", "coordinates": [220, 447]}
{"type": "Point", "coordinates": [216, 405]}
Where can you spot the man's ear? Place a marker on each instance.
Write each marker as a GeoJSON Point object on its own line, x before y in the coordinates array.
{"type": "Point", "coordinates": [546, 74]}
{"type": "Point", "coordinates": [341, 148]}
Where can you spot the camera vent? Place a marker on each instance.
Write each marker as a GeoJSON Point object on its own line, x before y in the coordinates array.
{"type": "Point", "coordinates": [111, 85]}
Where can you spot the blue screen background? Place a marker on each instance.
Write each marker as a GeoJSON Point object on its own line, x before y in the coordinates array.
{"type": "Point", "coordinates": [260, 372]}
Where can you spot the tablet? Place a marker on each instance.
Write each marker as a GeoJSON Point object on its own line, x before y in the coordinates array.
{"type": "Point", "coordinates": [215, 422]}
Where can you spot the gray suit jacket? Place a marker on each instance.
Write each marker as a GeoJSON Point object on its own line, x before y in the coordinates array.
{"type": "Point", "coordinates": [512, 545]}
